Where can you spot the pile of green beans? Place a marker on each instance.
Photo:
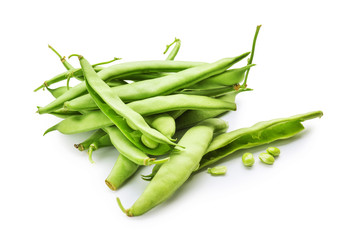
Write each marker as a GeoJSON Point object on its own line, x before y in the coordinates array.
{"type": "Point", "coordinates": [164, 113]}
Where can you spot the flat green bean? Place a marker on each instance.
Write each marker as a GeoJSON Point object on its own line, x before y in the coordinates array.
{"type": "Point", "coordinates": [112, 106]}
{"type": "Point", "coordinates": [178, 169]}
{"type": "Point", "coordinates": [123, 169]}
{"type": "Point", "coordinates": [168, 84]}
{"type": "Point", "coordinates": [96, 119]}
{"type": "Point", "coordinates": [117, 71]}
{"type": "Point", "coordinates": [161, 104]}
{"type": "Point", "coordinates": [259, 134]}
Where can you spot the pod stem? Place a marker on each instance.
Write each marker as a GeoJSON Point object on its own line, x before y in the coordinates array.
{"type": "Point", "coordinates": [125, 211]}
{"type": "Point", "coordinates": [250, 59]}
{"type": "Point", "coordinates": [168, 46]}
{"type": "Point", "coordinates": [75, 55]}
{"type": "Point", "coordinates": [54, 50]}
{"type": "Point", "coordinates": [110, 61]}
{"type": "Point", "coordinates": [79, 146]}
{"type": "Point", "coordinates": [160, 161]}
{"type": "Point", "coordinates": [68, 81]}
{"type": "Point", "coordinates": [91, 149]}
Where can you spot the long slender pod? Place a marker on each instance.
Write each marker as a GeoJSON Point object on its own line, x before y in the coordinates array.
{"type": "Point", "coordinates": [161, 103]}
{"type": "Point", "coordinates": [113, 107]}
{"type": "Point", "coordinates": [123, 169]}
{"type": "Point", "coordinates": [260, 133]}
{"type": "Point", "coordinates": [178, 169]}
{"type": "Point", "coordinates": [115, 71]}
{"type": "Point", "coordinates": [96, 119]}
{"type": "Point", "coordinates": [168, 84]}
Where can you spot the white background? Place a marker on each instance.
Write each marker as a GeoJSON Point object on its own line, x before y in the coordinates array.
{"type": "Point", "coordinates": [49, 190]}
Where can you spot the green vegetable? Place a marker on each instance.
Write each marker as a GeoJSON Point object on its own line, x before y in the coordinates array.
{"type": "Point", "coordinates": [259, 134]}
{"type": "Point", "coordinates": [178, 169]}
{"type": "Point", "coordinates": [164, 85]}
{"type": "Point", "coordinates": [215, 171]}
{"type": "Point", "coordinates": [123, 169]}
{"type": "Point", "coordinates": [248, 159]}
{"type": "Point", "coordinates": [266, 158]}
{"type": "Point", "coordinates": [273, 151]}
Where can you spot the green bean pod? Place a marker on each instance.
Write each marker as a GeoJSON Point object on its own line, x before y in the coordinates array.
{"type": "Point", "coordinates": [191, 117]}
{"type": "Point", "coordinates": [93, 137]}
{"type": "Point", "coordinates": [161, 103]}
{"type": "Point", "coordinates": [259, 134]}
{"type": "Point", "coordinates": [226, 78]}
{"type": "Point", "coordinates": [96, 119]}
{"type": "Point", "coordinates": [112, 106]}
{"type": "Point", "coordinates": [178, 169]}
{"type": "Point", "coordinates": [123, 169]}
{"type": "Point", "coordinates": [168, 84]}
{"type": "Point", "coordinates": [117, 71]}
